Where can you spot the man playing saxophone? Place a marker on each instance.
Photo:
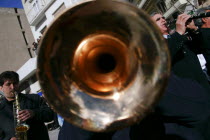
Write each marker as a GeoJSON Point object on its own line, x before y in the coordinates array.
{"type": "Point", "coordinates": [34, 110]}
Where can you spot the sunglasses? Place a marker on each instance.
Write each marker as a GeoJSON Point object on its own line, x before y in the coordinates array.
{"type": "Point", "coordinates": [160, 18]}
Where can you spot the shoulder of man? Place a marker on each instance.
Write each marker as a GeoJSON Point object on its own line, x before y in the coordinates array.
{"type": "Point", "coordinates": [204, 29]}
{"type": "Point", "coordinates": [29, 96]}
{"type": "Point", "coordinates": [2, 101]}
{"type": "Point", "coordinates": [2, 134]}
{"type": "Point", "coordinates": [205, 32]}
{"type": "Point", "coordinates": [177, 36]}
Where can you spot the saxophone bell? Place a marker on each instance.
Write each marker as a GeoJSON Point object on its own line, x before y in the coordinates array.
{"type": "Point", "coordinates": [21, 128]}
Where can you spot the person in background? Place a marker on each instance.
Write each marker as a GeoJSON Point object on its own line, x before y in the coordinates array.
{"type": "Point", "coordinates": [60, 120]}
{"type": "Point", "coordinates": [204, 29]}
{"type": "Point", "coordinates": [54, 124]}
{"type": "Point", "coordinates": [35, 48]}
{"type": "Point", "coordinates": [187, 94]}
{"type": "Point", "coordinates": [183, 51]}
{"type": "Point", "coordinates": [1, 96]}
{"type": "Point", "coordinates": [34, 110]}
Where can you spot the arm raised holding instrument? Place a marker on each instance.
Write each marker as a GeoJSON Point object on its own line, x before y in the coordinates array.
{"type": "Point", "coordinates": [181, 23]}
{"type": "Point", "coordinates": [184, 60]}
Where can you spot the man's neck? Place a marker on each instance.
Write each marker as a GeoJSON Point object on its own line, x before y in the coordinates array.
{"type": "Point", "coordinates": [205, 26]}
{"type": "Point", "coordinates": [10, 99]}
{"type": "Point", "coordinates": [165, 33]}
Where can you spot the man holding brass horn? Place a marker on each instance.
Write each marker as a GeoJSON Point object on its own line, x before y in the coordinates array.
{"type": "Point", "coordinates": [204, 24]}
{"type": "Point", "coordinates": [34, 111]}
{"type": "Point", "coordinates": [183, 50]}
{"type": "Point", "coordinates": [187, 95]}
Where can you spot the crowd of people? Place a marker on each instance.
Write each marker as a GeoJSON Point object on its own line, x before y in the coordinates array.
{"type": "Point", "coordinates": [183, 113]}
{"type": "Point", "coordinates": [35, 45]}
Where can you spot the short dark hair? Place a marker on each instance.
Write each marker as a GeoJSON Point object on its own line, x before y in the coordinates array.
{"type": "Point", "coordinates": [8, 75]}
{"type": "Point", "coordinates": [199, 22]}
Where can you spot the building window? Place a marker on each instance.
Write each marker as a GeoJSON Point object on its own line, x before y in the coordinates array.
{"type": "Point", "coordinates": [40, 23]}
{"type": "Point", "coordinates": [36, 7]}
{"type": "Point", "coordinates": [161, 6]}
{"type": "Point", "coordinates": [59, 10]}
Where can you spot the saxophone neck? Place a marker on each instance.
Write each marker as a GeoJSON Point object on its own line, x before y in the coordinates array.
{"type": "Point", "coordinates": [16, 97]}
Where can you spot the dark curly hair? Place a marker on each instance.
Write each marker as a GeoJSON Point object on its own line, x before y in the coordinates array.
{"type": "Point", "coordinates": [9, 75]}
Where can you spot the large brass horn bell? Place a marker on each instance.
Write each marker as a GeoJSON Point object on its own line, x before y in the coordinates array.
{"type": "Point", "coordinates": [103, 65]}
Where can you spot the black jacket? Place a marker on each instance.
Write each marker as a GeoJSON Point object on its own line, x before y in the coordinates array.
{"type": "Point", "coordinates": [185, 63]}
{"type": "Point", "coordinates": [185, 110]}
{"type": "Point", "coordinates": [182, 114]}
{"type": "Point", "coordinates": [37, 130]}
{"type": "Point", "coordinates": [71, 132]}
{"type": "Point", "coordinates": [205, 43]}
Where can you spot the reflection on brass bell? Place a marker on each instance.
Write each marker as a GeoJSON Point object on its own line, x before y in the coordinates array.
{"type": "Point", "coordinates": [103, 65]}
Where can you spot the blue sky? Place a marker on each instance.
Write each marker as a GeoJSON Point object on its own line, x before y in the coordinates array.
{"type": "Point", "coordinates": [11, 3]}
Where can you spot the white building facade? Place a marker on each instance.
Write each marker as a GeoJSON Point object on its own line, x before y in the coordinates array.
{"type": "Point", "coordinates": [41, 13]}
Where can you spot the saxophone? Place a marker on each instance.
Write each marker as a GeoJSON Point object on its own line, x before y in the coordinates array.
{"type": "Point", "coordinates": [21, 128]}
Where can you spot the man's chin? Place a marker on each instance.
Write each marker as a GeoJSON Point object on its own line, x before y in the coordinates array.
{"type": "Point", "coordinates": [165, 30]}
{"type": "Point", "coordinates": [10, 98]}
{"type": "Point", "coordinates": [12, 95]}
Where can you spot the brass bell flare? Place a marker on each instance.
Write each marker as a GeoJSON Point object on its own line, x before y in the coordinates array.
{"type": "Point", "coordinates": [22, 128]}
{"type": "Point", "coordinates": [103, 65]}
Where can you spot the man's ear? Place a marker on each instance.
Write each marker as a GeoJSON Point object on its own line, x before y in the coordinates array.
{"type": "Point", "coordinates": [204, 20]}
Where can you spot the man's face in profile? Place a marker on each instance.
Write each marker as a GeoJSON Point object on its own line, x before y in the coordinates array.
{"type": "Point", "coordinates": [161, 23]}
{"type": "Point", "coordinates": [207, 20]}
{"type": "Point", "coordinates": [9, 88]}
